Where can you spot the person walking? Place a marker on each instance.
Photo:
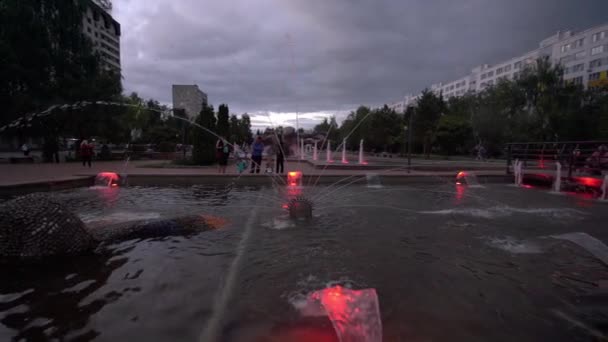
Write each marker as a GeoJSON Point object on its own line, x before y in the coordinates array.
{"type": "Point", "coordinates": [280, 156]}
{"type": "Point", "coordinates": [25, 149]}
{"type": "Point", "coordinates": [257, 149]}
{"type": "Point", "coordinates": [86, 152]}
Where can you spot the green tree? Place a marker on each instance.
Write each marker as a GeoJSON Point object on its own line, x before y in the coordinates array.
{"type": "Point", "coordinates": [245, 129]}
{"type": "Point", "coordinates": [223, 124]}
{"type": "Point", "coordinates": [385, 130]}
{"type": "Point", "coordinates": [328, 128]}
{"type": "Point", "coordinates": [45, 59]}
{"type": "Point", "coordinates": [454, 134]}
{"type": "Point", "coordinates": [430, 109]}
{"type": "Point", "coordinates": [203, 152]}
{"type": "Point", "coordinates": [356, 127]}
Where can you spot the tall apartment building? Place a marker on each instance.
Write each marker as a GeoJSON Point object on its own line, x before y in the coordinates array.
{"type": "Point", "coordinates": [584, 56]}
{"type": "Point", "coordinates": [104, 32]}
{"type": "Point", "coordinates": [189, 98]}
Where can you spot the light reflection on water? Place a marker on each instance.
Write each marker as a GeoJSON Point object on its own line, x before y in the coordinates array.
{"type": "Point", "coordinates": [446, 264]}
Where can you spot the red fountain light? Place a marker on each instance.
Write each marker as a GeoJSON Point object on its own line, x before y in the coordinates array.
{"type": "Point", "coordinates": [294, 178]}
{"type": "Point", "coordinates": [112, 178]}
{"type": "Point", "coordinates": [354, 314]}
{"type": "Point", "coordinates": [460, 178]}
{"type": "Point", "coordinates": [589, 181]}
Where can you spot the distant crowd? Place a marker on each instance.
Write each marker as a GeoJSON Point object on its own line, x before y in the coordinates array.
{"type": "Point", "coordinates": [274, 154]}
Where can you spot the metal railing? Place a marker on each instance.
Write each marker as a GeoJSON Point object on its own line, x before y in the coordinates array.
{"type": "Point", "coordinates": [577, 156]}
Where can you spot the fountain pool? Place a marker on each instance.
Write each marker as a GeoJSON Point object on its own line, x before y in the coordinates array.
{"type": "Point", "coordinates": [447, 263]}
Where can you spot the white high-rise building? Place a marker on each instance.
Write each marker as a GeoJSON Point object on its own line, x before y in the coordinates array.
{"type": "Point", "coordinates": [584, 56]}
{"type": "Point", "coordinates": [104, 32]}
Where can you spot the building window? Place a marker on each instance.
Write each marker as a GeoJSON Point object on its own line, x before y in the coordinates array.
{"type": "Point", "coordinates": [580, 42]}
{"type": "Point", "coordinates": [516, 74]}
{"type": "Point", "coordinates": [566, 48]}
{"type": "Point", "coordinates": [578, 67]}
{"type": "Point", "coordinates": [580, 55]}
{"type": "Point", "coordinates": [89, 20]}
{"type": "Point", "coordinates": [595, 63]}
{"type": "Point", "coordinates": [491, 73]}
{"type": "Point", "coordinates": [566, 59]}
{"type": "Point", "coordinates": [89, 29]}
{"type": "Point", "coordinates": [594, 77]}
{"type": "Point", "coordinates": [599, 36]}
{"type": "Point", "coordinates": [96, 35]}
{"type": "Point", "coordinates": [577, 80]}
{"type": "Point", "coordinates": [508, 68]}
{"type": "Point", "coordinates": [597, 50]}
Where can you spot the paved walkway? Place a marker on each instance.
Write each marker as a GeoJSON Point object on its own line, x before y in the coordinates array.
{"type": "Point", "coordinates": [14, 174]}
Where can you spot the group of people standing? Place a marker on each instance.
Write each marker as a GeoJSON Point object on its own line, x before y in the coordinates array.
{"type": "Point", "coordinates": [51, 151]}
{"type": "Point", "coordinates": [258, 149]}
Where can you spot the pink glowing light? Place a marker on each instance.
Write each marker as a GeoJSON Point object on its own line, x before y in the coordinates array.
{"type": "Point", "coordinates": [345, 162]}
{"type": "Point", "coordinates": [112, 178]}
{"type": "Point", "coordinates": [589, 181]}
{"type": "Point", "coordinates": [460, 192]}
{"type": "Point", "coordinates": [355, 314]}
{"type": "Point", "coordinates": [294, 177]}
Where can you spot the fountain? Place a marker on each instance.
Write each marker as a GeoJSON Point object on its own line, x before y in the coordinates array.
{"type": "Point", "coordinates": [604, 195]}
{"type": "Point", "coordinates": [468, 178]}
{"type": "Point", "coordinates": [557, 183]}
{"type": "Point", "coordinates": [344, 161]}
{"type": "Point", "coordinates": [109, 179]}
{"type": "Point", "coordinates": [328, 152]}
{"type": "Point", "coordinates": [361, 161]}
{"type": "Point", "coordinates": [315, 157]}
{"type": "Point", "coordinates": [354, 314]}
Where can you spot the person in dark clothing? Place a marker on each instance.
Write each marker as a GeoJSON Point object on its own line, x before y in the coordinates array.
{"type": "Point", "coordinates": [54, 150]}
{"type": "Point", "coordinates": [257, 150]}
{"type": "Point", "coordinates": [280, 156]}
{"type": "Point", "coordinates": [86, 152]}
{"type": "Point", "coordinates": [222, 153]}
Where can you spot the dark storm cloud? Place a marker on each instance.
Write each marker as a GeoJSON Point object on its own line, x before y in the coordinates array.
{"type": "Point", "coordinates": [318, 55]}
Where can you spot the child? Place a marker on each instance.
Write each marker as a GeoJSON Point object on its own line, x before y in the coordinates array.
{"type": "Point", "coordinates": [241, 161]}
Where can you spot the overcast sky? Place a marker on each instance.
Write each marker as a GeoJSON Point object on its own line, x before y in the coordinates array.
{"type": "Point", "coordinates": [323, 57]}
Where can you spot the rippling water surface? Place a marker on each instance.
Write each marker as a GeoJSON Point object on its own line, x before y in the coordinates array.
{"type": "Point", "coordinates": [448, 263]}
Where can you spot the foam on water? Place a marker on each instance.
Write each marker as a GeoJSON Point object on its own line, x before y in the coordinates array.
{"type": "Point", "coordinates": [588, 242]}
{"type": "Point", "coordinates": [280, 223]}
{"type": "Point", "coordinates": [119, 216]}
{"type": "Point", "coordinates": [504, 211]}
{"type": "Point", "coordinates": [513, 245]}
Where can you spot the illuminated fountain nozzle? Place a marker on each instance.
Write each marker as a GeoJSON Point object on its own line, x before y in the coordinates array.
{"type": "Point", "coordinates": [294, 178]}
{"type": "Point", "coordinates": [300, 208]}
